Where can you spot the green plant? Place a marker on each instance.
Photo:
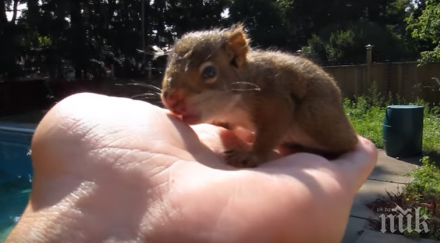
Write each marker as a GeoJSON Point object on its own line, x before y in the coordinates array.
{"type": "Point", "coordinates": [426, 27]}
{"type": "Point", "coordinates": [367, 113]}
{"type": "Point", "coordinates": [366, 118]}
{"type": "Point", "coordinates": [426, 178]}
{"type": "Point", "coordinates": [422, 193]}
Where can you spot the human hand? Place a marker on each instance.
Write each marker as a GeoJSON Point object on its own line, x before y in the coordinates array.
{"type": "Point", "coordinates": [116, 170]}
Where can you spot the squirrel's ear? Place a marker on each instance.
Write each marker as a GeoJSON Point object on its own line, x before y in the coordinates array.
{"type": "Point", "coordinates": [237, 44]}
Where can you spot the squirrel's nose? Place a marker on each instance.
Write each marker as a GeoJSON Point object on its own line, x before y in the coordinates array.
{"type": "Point", "coordinates": [173, 102]}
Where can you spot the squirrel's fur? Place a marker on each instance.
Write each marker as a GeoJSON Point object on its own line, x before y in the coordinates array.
{"type": "Point", "coordinates": [283, 98]}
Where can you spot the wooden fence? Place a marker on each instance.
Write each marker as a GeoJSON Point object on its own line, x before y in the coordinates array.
{"type": "Point", "coordinates": [408, 81]}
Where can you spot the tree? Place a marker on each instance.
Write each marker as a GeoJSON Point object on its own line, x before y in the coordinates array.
{"type": "Point", "coordinates": [345, 43]}
{"type": "Point", "coordinates": [83, 35]}
{"type": "Point", "coordinates": [426, 27]}
{"type": "Point", "coordinates": [10, 40]}
{"type": "Point", "coordinates": [264, 21]}
{"type": "Point", "coordinates": [342, 37]}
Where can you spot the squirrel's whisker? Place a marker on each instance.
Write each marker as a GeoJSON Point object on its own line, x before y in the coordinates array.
{"type": "Point", "coordinates": [253, 87]}
{"type": "Point", "coordinates": [146, 95]}
{"type": "Point", "coordinates": [146, 86]}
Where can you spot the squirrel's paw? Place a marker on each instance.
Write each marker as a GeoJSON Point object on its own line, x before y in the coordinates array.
{"type": "Point", "coordinates": [241, 158]}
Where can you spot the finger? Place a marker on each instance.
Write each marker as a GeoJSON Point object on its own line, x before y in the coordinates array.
{"type": "Point", "coordinates": [351, 169]}
{"type": "Point", "coordinates": [219, 140]}
{"type": "Point", "coordinates": [355, 167]}
{"type": "Point", "coordinates": [228, 135]}
{"type": "Point", "coordinates": [216, 138]}
{"type": "Point", "coordinates": [244, 135]}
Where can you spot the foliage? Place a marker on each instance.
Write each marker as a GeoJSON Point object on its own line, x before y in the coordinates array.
{"type": "Point", "coordinates": [367, 113]}
{"type": "Point", "coordinates": [264, 21]}
{"type": "Point", "coordinates": [422, 192]}
{"type": "Point", "coordinates": [333, 49]}
{"type": "Point", "coordinates": [68, 37]}
{"type": "Point", "coordinates": [366, 119]}
{"type": "Point", "coordinates": [83, 35]}
{"type": "Point", "coordinates": [427, 27]}
{"type": "Point", "coordinates": [347, 41]}
{"type": "Point", "coordinates": [426, 178]}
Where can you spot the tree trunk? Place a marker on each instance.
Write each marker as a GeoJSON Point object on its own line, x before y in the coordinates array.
{"type": "Point", "coordinates": [14, 15]}
{"type": "Point", "coordinates": [34, 11]}
{"type": "Point", "coordinates": [78, 44]}
{"type": "Point", "coordinates": [3, 17]}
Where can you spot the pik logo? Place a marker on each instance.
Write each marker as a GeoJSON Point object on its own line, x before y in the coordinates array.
{"type": "Point", "coordinates": [404, 218]}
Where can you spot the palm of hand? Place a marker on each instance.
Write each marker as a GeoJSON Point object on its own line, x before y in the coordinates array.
{"type": "Point", "coordinates": [138, 174]}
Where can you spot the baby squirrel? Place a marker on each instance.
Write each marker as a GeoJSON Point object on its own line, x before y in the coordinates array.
{"type": "Point", "coordinates": [214, 76]}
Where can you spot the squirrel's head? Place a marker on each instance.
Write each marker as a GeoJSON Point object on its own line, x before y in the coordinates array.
{"type": "Point", "coordinates": [201, 67]}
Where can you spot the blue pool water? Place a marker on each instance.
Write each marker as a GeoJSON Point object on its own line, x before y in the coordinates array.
{"type": "Point", "coordinates": [14, 196]}
{"type": "Point", "coordinates": [15, 173]}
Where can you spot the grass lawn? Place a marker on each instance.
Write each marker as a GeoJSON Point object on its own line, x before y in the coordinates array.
{"type": "Point", "coordinates": [367, 114]}
{"type": "Point", "coordinates": [368, 118]}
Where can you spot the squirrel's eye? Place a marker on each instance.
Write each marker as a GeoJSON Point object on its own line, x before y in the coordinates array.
{"type": "Point", "coordinates": [209, 72]}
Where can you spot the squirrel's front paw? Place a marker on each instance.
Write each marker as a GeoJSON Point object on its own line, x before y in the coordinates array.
{"type": "Point", "coordinates": [242, 159]}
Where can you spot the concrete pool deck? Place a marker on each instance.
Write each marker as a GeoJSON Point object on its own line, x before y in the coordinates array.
{"type": "Point", "coordinates": [388, 175]}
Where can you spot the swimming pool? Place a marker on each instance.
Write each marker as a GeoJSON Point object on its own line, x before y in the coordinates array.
{"type": "Point", "coordinates": [15, 173]}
